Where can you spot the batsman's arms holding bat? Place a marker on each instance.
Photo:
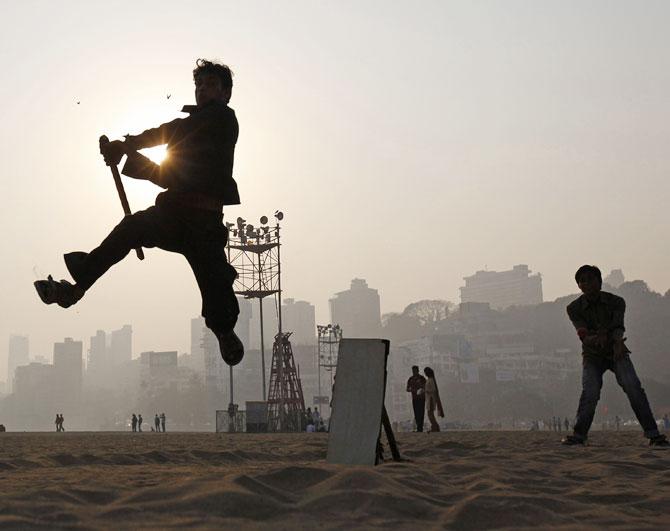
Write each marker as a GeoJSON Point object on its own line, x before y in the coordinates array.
{"type": "Point", "coordinates": [606, 336]}
{"type": "Point", "coordinates": [200, 153]}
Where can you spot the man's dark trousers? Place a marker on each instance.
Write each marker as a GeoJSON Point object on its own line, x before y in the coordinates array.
{"type": "Point", "coordinates": [419, 405]}
{"type": "Point", "coordinates": [592, 381]}
{"type": "Point", "coordinates": [197, 234]}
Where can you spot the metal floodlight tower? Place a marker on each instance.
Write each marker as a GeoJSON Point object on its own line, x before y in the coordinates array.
{"type": "Point", "coordinates": [328, 347]}
{"type": "Point", "coordinates": [254, 253]}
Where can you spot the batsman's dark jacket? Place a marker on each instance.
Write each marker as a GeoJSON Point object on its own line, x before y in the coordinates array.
{"type": "Point", "coordinates": [198, 169]}
{"type": "Point", "coordinates": [604, 314]}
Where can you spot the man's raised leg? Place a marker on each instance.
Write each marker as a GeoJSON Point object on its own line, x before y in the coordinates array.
{"type": "Point", "coordinates": [147, 228]}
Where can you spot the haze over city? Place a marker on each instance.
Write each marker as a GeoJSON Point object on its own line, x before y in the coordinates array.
{"type": "Point", "coordinates": [410, 145]}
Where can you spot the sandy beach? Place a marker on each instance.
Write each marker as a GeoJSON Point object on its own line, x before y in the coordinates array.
{"type": "Point", "coordinates": [459, 480]}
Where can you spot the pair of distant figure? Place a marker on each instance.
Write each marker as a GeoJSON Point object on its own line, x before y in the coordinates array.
{"type": "Point", "coordinates": [159, 421]}
{"type": "Point", "coordinates": [557, 424]}
{"type": "Point", "coordinates": [136, 422]}
{"type": "Point", "coordinates": [425, 398]}
{"type": "Point", "coordinates": [313, 421]}
{"type": "Point", "coordinates": [59, 422]}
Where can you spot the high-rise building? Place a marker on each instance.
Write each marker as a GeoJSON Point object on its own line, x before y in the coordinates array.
{"type": "Point", "coordinates": [243, 326]}
{"type": "Point", "coordinates": [198, 329]}
{"type": "Point", "coordinates": [516, 287]}
{"type": "Point", "coordinates": [97, 354]}
{"type": "Point", "coordinates": [68, 372]}
{"type": "Point", "coordinates": [158, 369]}
{"type": "Point", "coordinates": [121, 345]}
{"type": "Point", "coordinates": [18, 355]}
{"type": "Point", "coordinates": [357, 310]}
{"type": "Point", "coordinates": [299, 317]}
{"type": "Point", "coordinates": [33, 389]}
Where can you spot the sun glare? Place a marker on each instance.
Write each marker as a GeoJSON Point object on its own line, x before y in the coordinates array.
{"type": "Point", "coordinates": [157, 154]}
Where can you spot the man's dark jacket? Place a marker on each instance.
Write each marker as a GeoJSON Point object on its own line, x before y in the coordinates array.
{"type": "Point", "coordinates": [198, 169]}
{"type": "Point", "coordinates": [604, 315]}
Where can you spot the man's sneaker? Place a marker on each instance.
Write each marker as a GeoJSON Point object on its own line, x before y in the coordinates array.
{"type": "Point", "coordinates": [660, 441]}
{"type": "Point", "coordinates": [572, 440]}
{"type": "Point", "coordinates": [232, 349]}
{"type": "Point", "coordinates": [62, 293]}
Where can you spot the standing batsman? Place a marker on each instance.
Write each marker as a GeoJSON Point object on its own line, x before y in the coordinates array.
{"type": "Point", "coordinates": [197, 176]}
{"type": "Point", "coordinates": [598, 317]}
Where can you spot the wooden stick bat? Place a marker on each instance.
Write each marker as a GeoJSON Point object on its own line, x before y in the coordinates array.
{"type": "Point", "coordinates": [119, 188]}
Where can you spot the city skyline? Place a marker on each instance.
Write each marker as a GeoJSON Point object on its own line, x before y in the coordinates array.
{"type": "Point", "coordinates": [453, 134]}
{"type": "Point", "coordinates": [249, 318]}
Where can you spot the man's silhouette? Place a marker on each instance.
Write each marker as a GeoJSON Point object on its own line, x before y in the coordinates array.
{"type": "Point", "coordinates": [187, 217]}
{"type": "Point", "coordinates": [417, 386]}
{"type": "Point", "coordinates": [157, 422]}
{"type": "Point", "coordinates": [598, 317]}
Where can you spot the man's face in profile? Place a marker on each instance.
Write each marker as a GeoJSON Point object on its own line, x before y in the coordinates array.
{"type": "Point", "coordinates": [208, 88]}
{"type": "Point", "coordinates": [589, 284]}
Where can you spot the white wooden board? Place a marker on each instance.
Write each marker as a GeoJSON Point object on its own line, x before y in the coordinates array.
{"type": "Point", "coordinates": [358, 398]}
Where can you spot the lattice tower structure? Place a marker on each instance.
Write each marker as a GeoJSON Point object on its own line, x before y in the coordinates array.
{"type": "Point", "coordinates": [286, 403]}
{"type": "Point", "coordinates": [254, 252]}
{"type": "Point", "coordinates": [329, 337]}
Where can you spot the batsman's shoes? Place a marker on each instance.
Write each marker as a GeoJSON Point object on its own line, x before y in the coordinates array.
{"type": "Point", "coordinates": [660, 441]}
{"type": "Point", "coordinates": [232, 349]}
{"type": "Point", "coordinates": [572, 440]}
{"type": "Point", "coordinates": [62, 293]}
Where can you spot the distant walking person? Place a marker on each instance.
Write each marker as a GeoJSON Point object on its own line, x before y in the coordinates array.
{"type": "Point", "coordinates": [163, 421]}
{"type": "Point", "coordinates": [309, 420]}
{"type": "Point", "coordinates": [62, 420]}
{"type": "Point", "coordinates": [433, 401]}
{"type": "Point", "coordinates": [139, 422]}
{"type": "Point", "coordinates": [157, 422]}
{"type": "Point", "coordinates": [57, 422]}
{"type": "Point", "coordinates": [598, 317]}
{"type": "Point", "coordinates": [133, 422]}
{"type": "Point", "coordinates": [417, 386]}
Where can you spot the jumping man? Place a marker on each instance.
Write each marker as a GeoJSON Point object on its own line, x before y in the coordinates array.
{"type": "Point", "coordinates": [197, 176]}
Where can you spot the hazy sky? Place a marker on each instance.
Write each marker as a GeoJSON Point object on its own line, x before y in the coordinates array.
{"type": "Point", "coordinates": [408, 143]}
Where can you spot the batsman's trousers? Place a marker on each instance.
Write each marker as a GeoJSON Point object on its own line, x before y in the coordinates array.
{"type": "Point", "coordinates": [199, 235]}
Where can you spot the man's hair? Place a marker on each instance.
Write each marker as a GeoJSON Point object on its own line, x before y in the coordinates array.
{"type": "Point", "coordinates": [223, 72]}
{"type": "Point", "coordinates": [415, 367]}
{"type": "Point", "coordinates": [588, 269]}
